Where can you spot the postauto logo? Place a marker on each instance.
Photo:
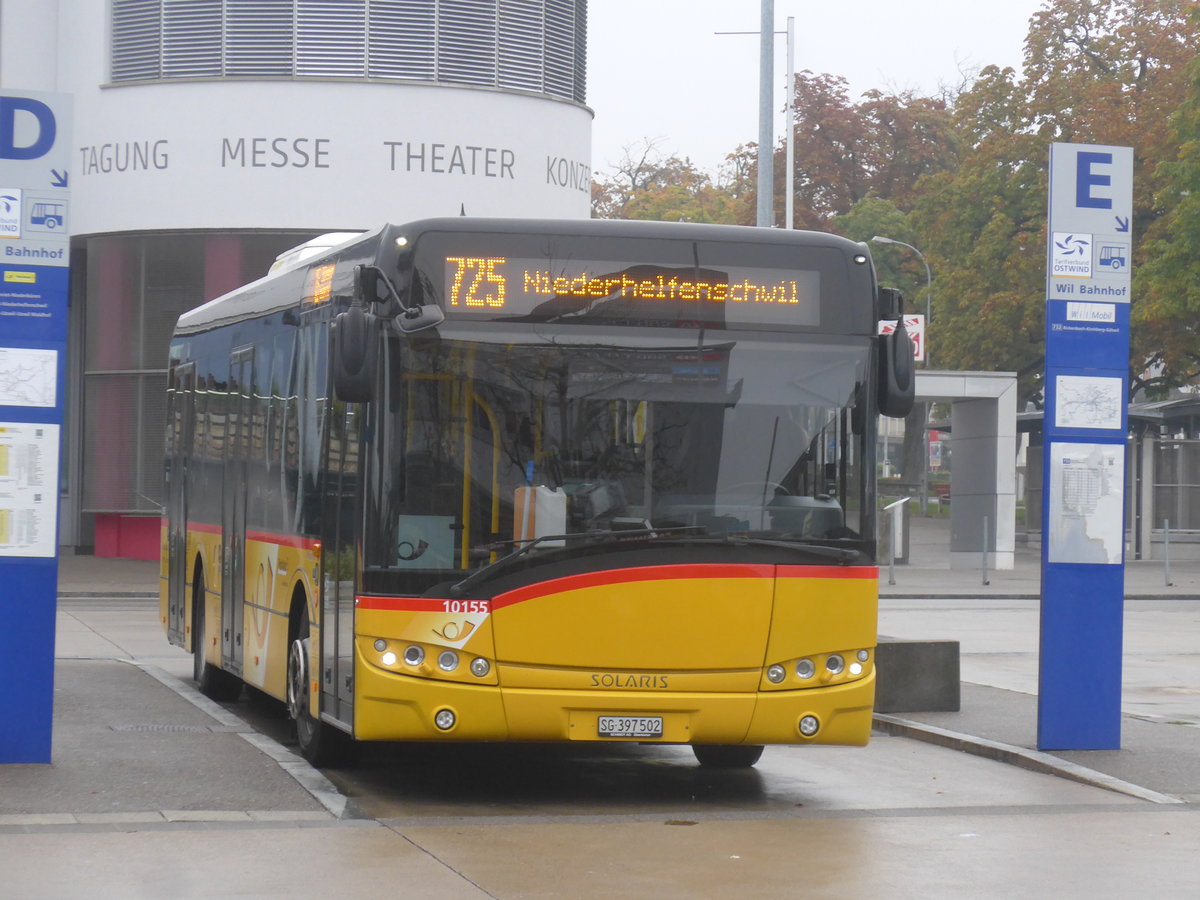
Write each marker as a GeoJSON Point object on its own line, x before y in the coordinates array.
{"type": "Point", "coordinates": [27, 128]}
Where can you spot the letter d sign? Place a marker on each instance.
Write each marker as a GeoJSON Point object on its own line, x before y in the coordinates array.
{"type": "Point", "coordinates": [43, 120]}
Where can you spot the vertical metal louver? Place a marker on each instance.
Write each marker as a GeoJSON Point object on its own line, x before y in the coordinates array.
{"type": "Point", "coordinates": [528, 45]}
{"type": "Point", "coordinates": [579, 87]}
{"type": "Point", "coordinates": [260, 37]}
{"type": "Point", "coordinates": [467, 42]}
{"type": "Point", "coordinates": [560, 49]}
{"type": "Point", "coordinates": [522, 36]}
{"type": "Point", "coordinates": [331, 38]}
{"type": "Point", "coordinates": [191, 38]}
{"type": "Point", "coordinates": [402, 40]}
{"type": "Point", "coordinates": [137, 35]}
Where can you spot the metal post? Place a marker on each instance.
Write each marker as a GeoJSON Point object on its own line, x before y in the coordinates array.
{"type": "Point", "coordinates": [892, 510]}
{"type": "Point", "coordinates": [789, 218]}
{"type": "Point", "coordinates": [1167, 551]}
{"type": "Point", "coordinates": [766, 73]}
{"type": "Point", "coordinates": [986, 523]}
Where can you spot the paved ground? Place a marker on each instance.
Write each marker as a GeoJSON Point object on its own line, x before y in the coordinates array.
{"type": "Point", "coordinates": [128, 725]}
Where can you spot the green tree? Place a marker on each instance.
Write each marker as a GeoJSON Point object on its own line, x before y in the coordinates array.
{"type": "Point", "coordinates": [1166, 315]}
{"type": "Point", "coordinates": [848, 151]}
{"type": "Point", "coordinates": [894, 266]}
{"type": "Point", "coordinates": [648, 185]}
{"type": "Point", "coordinates": [1096, 71]}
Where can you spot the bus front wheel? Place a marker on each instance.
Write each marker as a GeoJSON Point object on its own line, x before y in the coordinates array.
{"type": "Point", "coordinates": [727, 756]}
{"type": "Point", "coordinates": [321, 744]}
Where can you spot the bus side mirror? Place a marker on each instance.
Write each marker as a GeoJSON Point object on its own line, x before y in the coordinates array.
{"type": "Point", "coordinates": [418, 318]}
{"type": "Point", "coordinates": [897, 373]}
{"type": "Point", "coordinates": [355, 357]}
{"type": "Point", "coordinates": [374, 287]}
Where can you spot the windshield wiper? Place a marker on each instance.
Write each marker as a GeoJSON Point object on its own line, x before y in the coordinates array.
{"type": "Point", "coordinates": [505, 562]}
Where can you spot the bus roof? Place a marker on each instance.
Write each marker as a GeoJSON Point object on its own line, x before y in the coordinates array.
{"type": "Point", "coordinates": [262, 296]}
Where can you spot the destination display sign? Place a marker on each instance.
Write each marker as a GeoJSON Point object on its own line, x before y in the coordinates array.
{"type": "Point", "coordinates": [545, 289]}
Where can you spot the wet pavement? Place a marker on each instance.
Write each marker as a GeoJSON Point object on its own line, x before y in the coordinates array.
{"type": "Point", "coordinates": [156, 791]}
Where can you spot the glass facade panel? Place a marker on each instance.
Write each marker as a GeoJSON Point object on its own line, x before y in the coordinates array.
{"type": "Point", "coordinates": [137, 286]}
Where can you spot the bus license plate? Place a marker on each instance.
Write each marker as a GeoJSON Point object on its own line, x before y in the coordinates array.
{"type": "Point", "coordinates": [630, 726]}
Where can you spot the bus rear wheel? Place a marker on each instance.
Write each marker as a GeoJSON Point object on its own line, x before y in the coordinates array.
{"type": "Point", "coordinates": [727, 756]}
{"type": "Point", "coordinates": [212, 681]}
{"type": "Point", "coordinates": [321, 744]}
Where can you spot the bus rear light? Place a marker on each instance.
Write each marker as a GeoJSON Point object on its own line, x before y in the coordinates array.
{"type": "Point", "coordinates": [809, 726]}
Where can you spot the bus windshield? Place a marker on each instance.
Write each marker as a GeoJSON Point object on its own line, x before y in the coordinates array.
{"type": "Point", "coordinates": [632, 429]}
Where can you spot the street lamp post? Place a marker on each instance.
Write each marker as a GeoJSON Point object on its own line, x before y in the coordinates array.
{"type": "Point", "coordinates": [880, 239]}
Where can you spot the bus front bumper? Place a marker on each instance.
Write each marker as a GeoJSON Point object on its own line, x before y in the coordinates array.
{"type": "Point", "coordinates": [394, 707]}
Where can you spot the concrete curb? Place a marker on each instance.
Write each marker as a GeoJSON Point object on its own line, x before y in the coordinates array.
{"type": "Point", "coordinates": [1034, 760]}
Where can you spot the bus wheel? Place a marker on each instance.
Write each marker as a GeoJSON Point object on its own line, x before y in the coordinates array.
{"type": "Point", "coordinates": [212, 681]}
{"type": "Point", "coordinates": [727, 756]}
{"type": "Point", "coordinates": [321, 744]}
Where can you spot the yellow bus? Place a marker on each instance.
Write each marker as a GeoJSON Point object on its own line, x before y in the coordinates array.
{"type": "Point", "coordinates": [503, 480]}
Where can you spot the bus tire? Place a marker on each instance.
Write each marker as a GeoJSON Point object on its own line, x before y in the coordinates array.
{"type": "Point", "coordinates": [321, 744]}
{"type": "Point", "coordinates": [727, 756]}
{"type": "Point", "coordinates": [212, 681]}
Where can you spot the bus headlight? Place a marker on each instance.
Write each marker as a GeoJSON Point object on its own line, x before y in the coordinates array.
{"type": "Point", "coordinates": [834, 663]}
{"type": "Point", "coordinates": [480, 667]}
{"type": "Point", "coordinates": [445, 719]}
{"type": "Point", "coordinates": [447, 660]}
{"type": "Point", "coordinates": [414, 655]}
{"type": "Point", "coordinates": [388, 659]}
{"type": "Point", "coordinates": [776, 674]}
{"type": "Point", "coordinates": [805, 668]}
{"type": "Point", "coordinates": [809, 725]}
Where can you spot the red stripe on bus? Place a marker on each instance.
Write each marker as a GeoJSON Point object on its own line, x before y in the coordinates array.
{"type": "Point", "coordinates": [283, 540]}
{"type": "Point", "coordinates": [265, 537]}
{"type": "Point", "coordinates": [408, 604]}
{"type": "Point", "coordinates": [628, 576]}
{"type": "Point", "coordinates": [622, 576]}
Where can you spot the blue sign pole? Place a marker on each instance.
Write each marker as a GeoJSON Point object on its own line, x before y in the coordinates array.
{"type": "Point", "coordinates": [1084, 433]}
{"type": "Point", "coordinates": [34, 261]}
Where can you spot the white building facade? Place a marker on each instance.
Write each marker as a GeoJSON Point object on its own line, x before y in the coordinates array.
{"type": "Point", "coordinates": [210, 135]}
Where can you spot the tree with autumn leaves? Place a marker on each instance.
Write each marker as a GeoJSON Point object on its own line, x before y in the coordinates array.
{"type": "Point", "coordinates": [963, 177]}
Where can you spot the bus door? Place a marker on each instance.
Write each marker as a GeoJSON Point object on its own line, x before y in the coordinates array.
{"type": "Point", "coordinates": [338, 557]}
{"type": "Point", "coordinates": [183, 408]}
{"type": "Point", "coordinates": [236, 490]}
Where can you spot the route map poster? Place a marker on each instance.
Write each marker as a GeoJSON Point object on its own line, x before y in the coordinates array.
{"type": "Point", "coordinates": [28, 377]}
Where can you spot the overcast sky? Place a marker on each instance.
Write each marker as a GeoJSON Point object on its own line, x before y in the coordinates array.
{"type": "Point", "coordinates": [658, 70]}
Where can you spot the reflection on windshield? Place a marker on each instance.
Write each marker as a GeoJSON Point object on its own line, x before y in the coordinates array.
{"type": "Point", "coordinates": [484, 445]}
